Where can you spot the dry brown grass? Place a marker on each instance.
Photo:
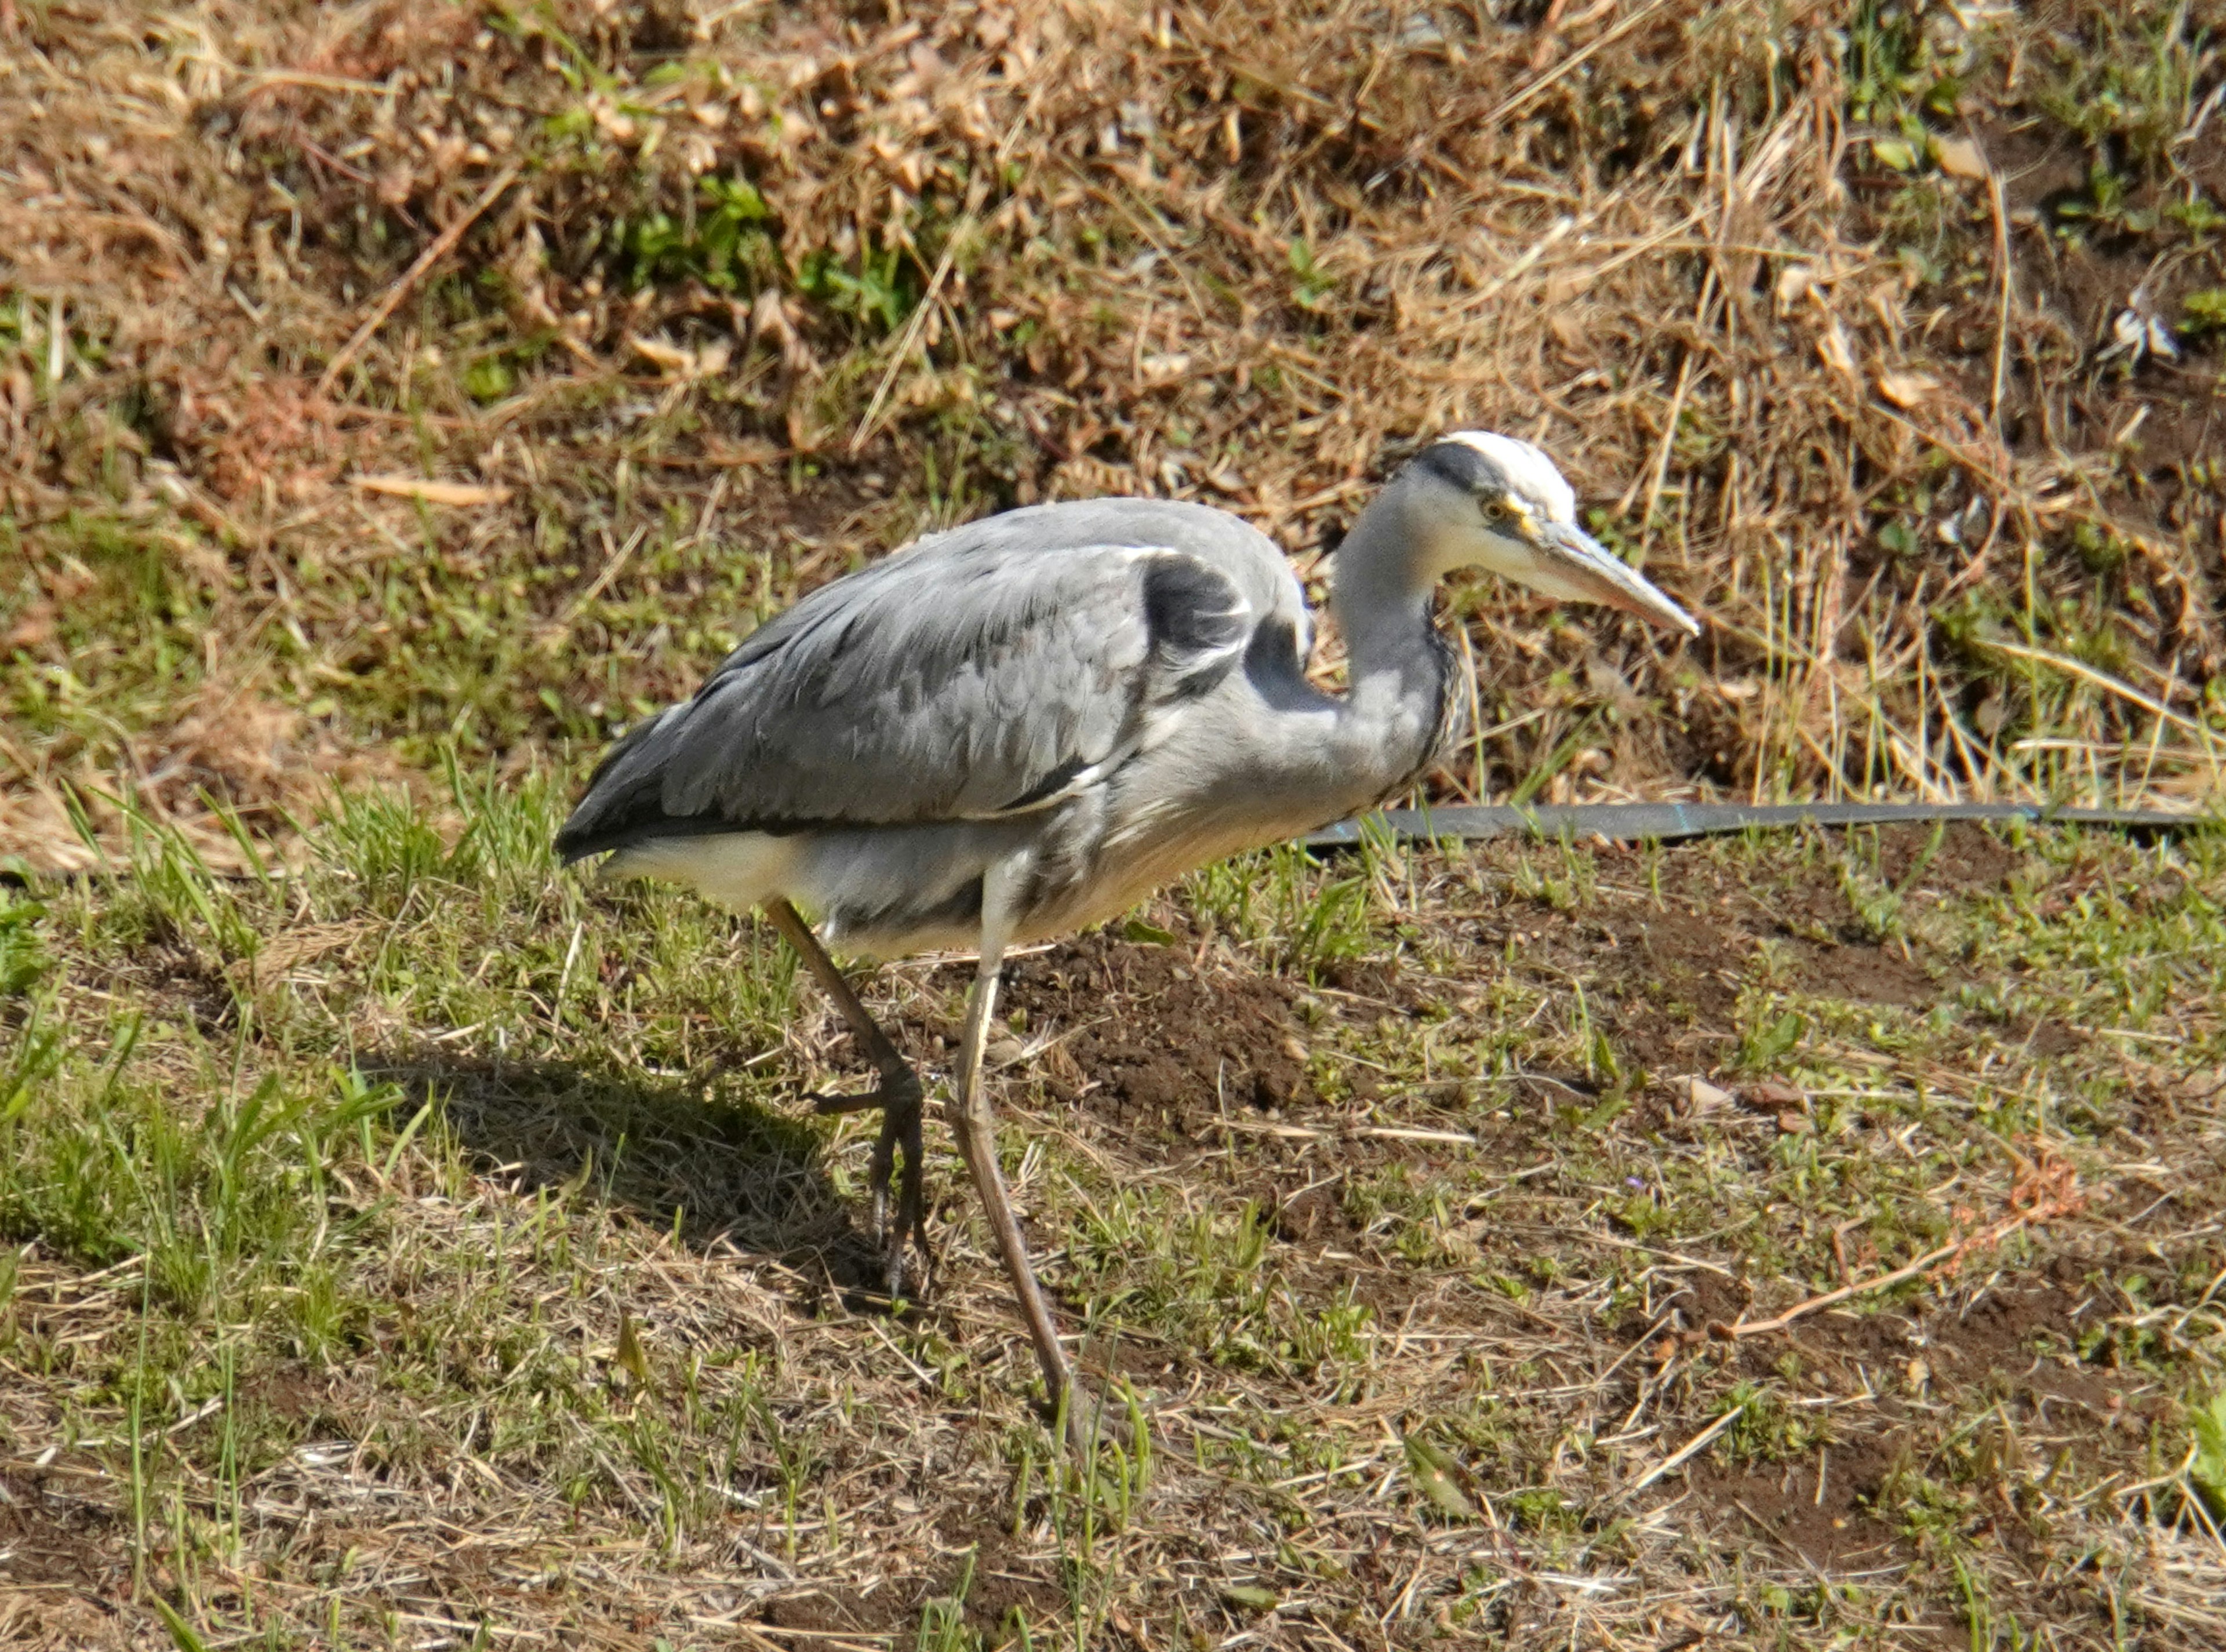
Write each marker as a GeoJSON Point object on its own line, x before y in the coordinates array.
{"type": "Point", "coordinates": [364, 1380]}
{"type": "Point", "coordinates": [1863, 418]}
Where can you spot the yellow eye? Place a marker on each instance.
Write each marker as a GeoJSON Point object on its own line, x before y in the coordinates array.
{"type": "Point", "coordinates": [1494, 511]}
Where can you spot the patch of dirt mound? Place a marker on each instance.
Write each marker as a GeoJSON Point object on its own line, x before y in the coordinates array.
{"type": "Point", "coordinates": [1149, 1032]}
{"type": "Point", "coordinates": [1821, 1506]}
{"type": "Point", "coordinates": [1664, 967]}
{"type": "Point", "coordinates": [1970, 859]}
{"type": "Point", "coordinates": [54, 1540]}
{"type": "Point", "coordinates": [1832, 1503]}
{"type": "Point", "coordinates": [1865, 974]}
{"type": "Point", "coordinates": [836, 1613]}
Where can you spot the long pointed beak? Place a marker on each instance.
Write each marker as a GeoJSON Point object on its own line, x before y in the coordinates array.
{"type": "Point", "coordinates": [1594, 573]}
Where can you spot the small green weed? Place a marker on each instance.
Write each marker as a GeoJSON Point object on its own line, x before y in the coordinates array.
{"type": "Point", "coordinates": [724, 243]}
{"type": "Point", "coordinates": [24, 956]}
{"type": "Point", "coordinates": [2206, 1471]}
{"type": "Point", "coordinates": [1312, 286]}
{"type": "Point", "coordinates": [1289, 908]}
{"type": "Point", "coordinates": [2203, 313]}
{"type": "Point", "coordinates": [879, 287]}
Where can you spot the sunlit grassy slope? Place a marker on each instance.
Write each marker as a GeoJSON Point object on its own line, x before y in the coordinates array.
{"type": "Point", "coordinates": [419, 1246]}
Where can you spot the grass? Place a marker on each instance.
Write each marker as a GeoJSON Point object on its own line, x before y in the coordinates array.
{"type": "Point", "coordinates": [408, 1244]}
{"type": "Point", "coordinates": [421, 1194]}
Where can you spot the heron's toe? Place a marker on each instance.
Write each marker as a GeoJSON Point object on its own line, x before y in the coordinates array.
{"type": "Point", "coordinates": [1094, 1417]}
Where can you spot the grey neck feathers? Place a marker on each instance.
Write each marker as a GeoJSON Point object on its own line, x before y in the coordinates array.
{"type": "Point", "coordinates": [1398, 671]}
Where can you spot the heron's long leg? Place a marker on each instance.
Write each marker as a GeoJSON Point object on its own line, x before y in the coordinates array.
{"type": "Point", "coordinates": [978, 1143]}
{"type": "Point", "coordinates": [898, 1096]}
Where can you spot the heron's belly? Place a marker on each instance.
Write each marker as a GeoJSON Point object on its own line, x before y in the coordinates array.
{"type": "Point", "coordinates": [1125, 872]}
{"type": "Point", "coordinates": [1110, 887]}
{"type": "Point", "coordinates": [737, 870]}
{"type": "Point", "coordinates": [890, 891]}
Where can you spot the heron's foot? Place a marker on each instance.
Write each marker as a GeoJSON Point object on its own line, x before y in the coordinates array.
{"type": "Point", "coordinates": [898, 1096]}
{"type": "Point", "coordinates": [900, 1125]}
{"type": "Point", "coordinates": [888, 1093]}
{"type": "Point", "coordinates": [1094, 1418]}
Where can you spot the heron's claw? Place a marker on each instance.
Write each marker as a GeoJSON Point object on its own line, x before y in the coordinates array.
{"type": "Point", "coordinates": [1092, 1419]}
{"type": "Point", "coordinates": [901, 1128]}
{"type": "Point", "coordinates": [898, 1096]}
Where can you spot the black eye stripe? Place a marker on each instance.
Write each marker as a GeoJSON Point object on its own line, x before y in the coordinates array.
{"type": "Point", "coordinates": [1464, 466]}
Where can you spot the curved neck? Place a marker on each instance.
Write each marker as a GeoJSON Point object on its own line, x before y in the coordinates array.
{"type": "Point", "coordinates": [1398, 671]}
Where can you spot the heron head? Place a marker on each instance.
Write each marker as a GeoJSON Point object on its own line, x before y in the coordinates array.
{"type": "Point", "coordinates": [1494, 502]}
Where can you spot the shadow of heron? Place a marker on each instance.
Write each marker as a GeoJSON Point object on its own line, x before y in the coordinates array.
{"type": "Point", "coordinates": [686, 1153]}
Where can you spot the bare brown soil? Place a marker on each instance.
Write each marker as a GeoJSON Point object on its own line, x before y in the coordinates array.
{"type": "Point", "coordinates": [1152, 1037]}
{"type": "Point", "coordinates": [1159, 1034]}
{"type": "Point", "coordinates": [66, 1542]}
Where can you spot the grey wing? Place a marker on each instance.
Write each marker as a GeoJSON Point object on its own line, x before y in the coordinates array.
{"type": "Point", "coordinates": [958, 681]}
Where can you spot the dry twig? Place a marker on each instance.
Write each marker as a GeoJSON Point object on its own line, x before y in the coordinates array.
{"type": "Point", "coordinates": [2046, 1193]}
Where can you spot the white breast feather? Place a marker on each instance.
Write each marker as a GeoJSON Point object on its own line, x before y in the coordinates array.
{"type": "Point", "coordinates": [736, 870]}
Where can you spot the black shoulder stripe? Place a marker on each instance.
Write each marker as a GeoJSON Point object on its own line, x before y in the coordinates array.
{"type": "Point", "coordinates": [1275, 648]}
{"type": "Point", "coordinates": [1191, 609]}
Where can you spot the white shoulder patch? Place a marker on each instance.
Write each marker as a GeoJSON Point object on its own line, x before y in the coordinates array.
{"type": "Point", "coordinates": [1527, 469]}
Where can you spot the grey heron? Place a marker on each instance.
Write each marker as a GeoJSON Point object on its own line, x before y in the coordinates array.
{"type": "Point", "coordinates": [1021, 727]}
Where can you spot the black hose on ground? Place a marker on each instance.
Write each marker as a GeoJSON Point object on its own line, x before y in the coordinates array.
{"type": "Point", "coordinates": [1636, 822]}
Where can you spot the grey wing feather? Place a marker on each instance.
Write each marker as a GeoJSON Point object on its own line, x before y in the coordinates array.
{"type": "Point", "coordinates": [978, 673]}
